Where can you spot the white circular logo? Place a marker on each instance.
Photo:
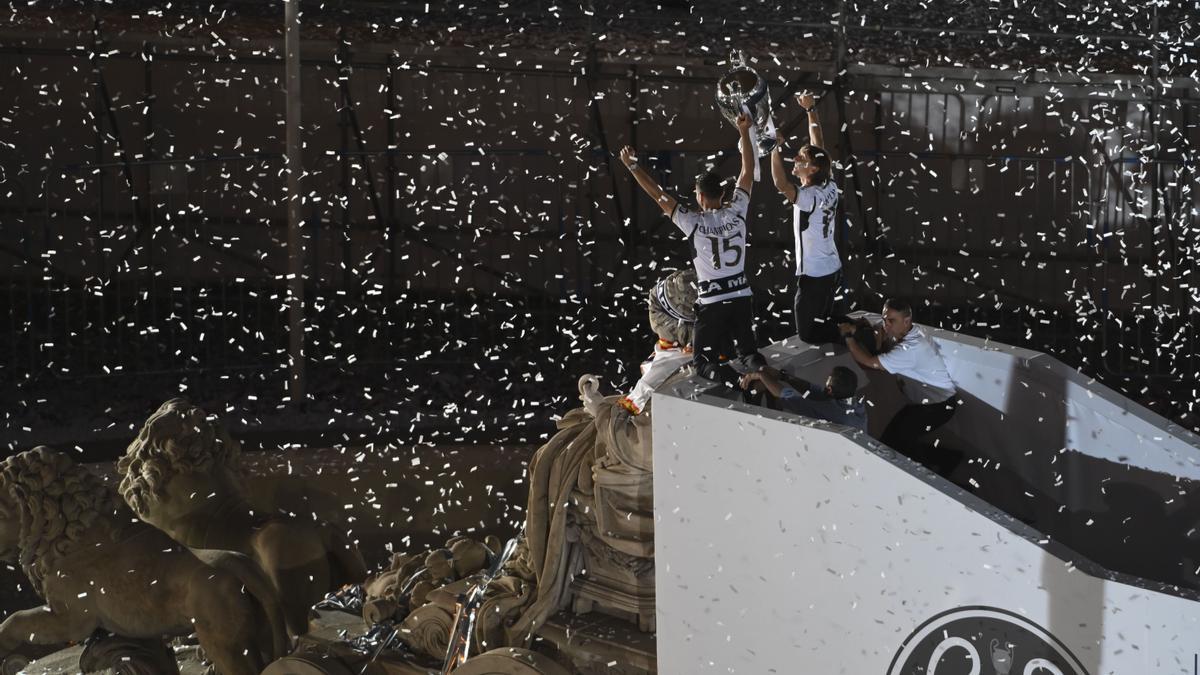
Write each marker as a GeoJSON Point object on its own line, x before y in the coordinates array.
{"type": "Point", "coordinates": [983, 641]}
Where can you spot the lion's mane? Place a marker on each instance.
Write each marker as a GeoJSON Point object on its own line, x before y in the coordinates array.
{"type": "Point", "coordinates": [56, 502]}
{"type": "Point", "coordinates": [178, 438]}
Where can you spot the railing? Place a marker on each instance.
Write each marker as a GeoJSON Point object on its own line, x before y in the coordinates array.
{"type": "Point", "coordinates": [1151, 281]}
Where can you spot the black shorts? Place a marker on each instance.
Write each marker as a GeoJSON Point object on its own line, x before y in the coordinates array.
{"type": "Point", "coordinates": [816, 307]}
{"type": "Point", "coordinates": [724, 330]}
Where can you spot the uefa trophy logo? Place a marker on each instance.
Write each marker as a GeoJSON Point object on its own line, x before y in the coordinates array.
{"type": "Point", "coordinates": [1002, 657]}
{"type": "Point", "coordinates": [983, 641]}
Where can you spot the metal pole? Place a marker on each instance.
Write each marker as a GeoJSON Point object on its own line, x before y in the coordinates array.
{"type": "Point", "coordinates": [1156, 240]}
{"type": "Point", "coordinates": [839, 59]}
{"type": "Point", "coordinates": [295, 298]}
{"type": "Point", "coordinates": [390, 231]}
{"type": "Point", "coordinates": [344, 126]}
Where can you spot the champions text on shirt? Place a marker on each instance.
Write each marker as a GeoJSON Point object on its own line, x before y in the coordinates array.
{"type": "Point", "coordinates": [718, 240]}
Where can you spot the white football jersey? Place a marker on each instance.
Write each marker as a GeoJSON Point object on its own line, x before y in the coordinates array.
{"type": "Point", "coordinates": [814, 215]}
{"type": "Point", "coordinates": [718, 240]}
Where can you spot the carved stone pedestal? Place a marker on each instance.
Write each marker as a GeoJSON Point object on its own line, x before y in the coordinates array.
{"type": "Point", "coordinates": [613, 582]}
{"type": "Point", "coordinates": [128, 656]}
{"type": "Point", "coordinates": [119, 656]}
{"type": "Point", "coordinates": [630, 599]}
{"type": "Point", "coordinates": [595, 644]}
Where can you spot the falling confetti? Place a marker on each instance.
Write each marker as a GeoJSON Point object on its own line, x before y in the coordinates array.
{"type": "Point", "coordinates": [1023, 171]}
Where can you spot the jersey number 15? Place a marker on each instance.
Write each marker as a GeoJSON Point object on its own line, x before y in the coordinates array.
{"type": "Point", "coordinates": [726, 245]}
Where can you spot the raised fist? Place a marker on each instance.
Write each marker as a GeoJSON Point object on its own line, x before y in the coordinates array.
{"type": "Point", "coordinates": [628, 158]}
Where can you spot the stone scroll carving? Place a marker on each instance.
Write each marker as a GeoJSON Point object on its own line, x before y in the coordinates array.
{"type": "Point", "coordinates": [590, 508]}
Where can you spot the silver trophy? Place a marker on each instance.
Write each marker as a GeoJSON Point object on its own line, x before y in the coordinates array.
{"type": "Point", "coordinates": [743, 89]}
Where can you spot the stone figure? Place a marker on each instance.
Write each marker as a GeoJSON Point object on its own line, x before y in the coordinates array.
{"type": "Point", "coordinates": [588, 540]}
{"type": "Point", "coordinates": [99, 569]}
{"type": "Point", "coordinates": [182, 475]}
{"type": "Point", "coordinates": [590, 508]}
{"type": "Point", "coordinates": [673, 319]}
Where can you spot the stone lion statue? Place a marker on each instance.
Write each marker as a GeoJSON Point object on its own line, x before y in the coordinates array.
{"type": "Point", "coordinates": [99, 569]}
{"type": "Point", "coordinates": [182, 475]}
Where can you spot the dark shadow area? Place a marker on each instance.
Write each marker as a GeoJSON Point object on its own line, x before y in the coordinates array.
{"type": "Point", "coordinates": [1126, 519]}
{"type": "Point", "coordinates": [1123, 518]}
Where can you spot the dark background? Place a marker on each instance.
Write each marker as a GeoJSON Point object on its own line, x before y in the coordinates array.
{"type": "Point", "coordinates": [1024, 173]}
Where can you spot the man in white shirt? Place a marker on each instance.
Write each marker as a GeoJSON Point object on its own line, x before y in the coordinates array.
{"type": "Point", "coordinates": [913, 357]}
{"type": "Point", "coordinates": [814, 225]}
{"type": "Point", "coordinates": [717, 233]}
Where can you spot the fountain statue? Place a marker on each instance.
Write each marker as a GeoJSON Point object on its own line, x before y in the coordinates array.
{"type": "Point", "coordinates": [101, 570]}
{"type": "Point", "coordinates": [182, 475]}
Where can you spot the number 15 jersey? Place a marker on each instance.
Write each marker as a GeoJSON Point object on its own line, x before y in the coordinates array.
{"type": "Point", "coordinates": [718, 240]}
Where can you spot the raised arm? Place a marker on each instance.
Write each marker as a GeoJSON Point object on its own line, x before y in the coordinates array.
{"type": "Point", "coordinates": [746, 179]}
{"type": "Point", "coordinates": [665, 201]}
{"type": "Point", "coordinates": [779, 173]}
{"type": "Point", "coordinates": [807, 102]}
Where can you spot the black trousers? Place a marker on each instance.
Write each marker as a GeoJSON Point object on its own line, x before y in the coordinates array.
{"type": "Point", "coordinates": [815, 307]}
{"type": "Point", "coordinates": [914, 421]}
{"type": "Point", "coordinates": [724, 330]}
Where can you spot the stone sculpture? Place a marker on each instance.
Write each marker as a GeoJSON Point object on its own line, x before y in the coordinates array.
{"type": "Point", "coordinates": [673, 319]}
{"type": "Point", "coordinates": [590, 508]}
{"type": "Point", "coordinates": [182, 475]}
{"type": "Point", "coordinates": [99, 569]}
{"type": "Point", "coordinates": [409, 579]}
{"type": "Point", "coordinates": [588, 540]}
